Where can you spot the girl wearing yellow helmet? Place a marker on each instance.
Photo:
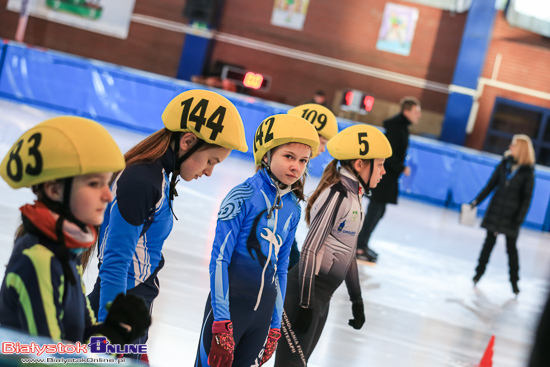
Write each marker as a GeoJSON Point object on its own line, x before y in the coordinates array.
{"type": "Point", "coordinates": [256, 227]}
{"type": "Point", "coordinates": [334, 214]}
{"type": "Point", "coordinates": [42, 292]}
{"type": "Point", "coordinates": [201, 129]}
{"type": "Point", "coordinates": [324, 121]}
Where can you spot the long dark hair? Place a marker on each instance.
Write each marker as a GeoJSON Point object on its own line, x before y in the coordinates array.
{"type": "Point", "coordinates": [148, 150]}
{"type": "Point", "coordinates": [330, 177]}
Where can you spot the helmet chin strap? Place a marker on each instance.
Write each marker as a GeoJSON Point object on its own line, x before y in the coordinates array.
{"type": "Point", "coordinates": [277, 203]}
{"type": "Point", "coordinates": [63, 209]}
{"type": "Point", "coordinates": [175, 173]}
{"type": "Point", "coordinates": [360, 179]}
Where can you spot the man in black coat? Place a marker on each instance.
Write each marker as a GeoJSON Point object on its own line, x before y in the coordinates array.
{"type": "Point", "coordinates": [387, 191]}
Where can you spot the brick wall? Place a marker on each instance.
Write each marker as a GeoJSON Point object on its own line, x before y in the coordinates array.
{"type": "Point", "coordinates": [146, 48]}
{"type": "Point", "coordinates": [345, 30]}
{"type": "Point", "coordinates": [525, 63]}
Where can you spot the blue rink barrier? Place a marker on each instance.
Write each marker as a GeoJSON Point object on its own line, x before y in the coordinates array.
{"type": "Point", "coordinates": [442, 174]}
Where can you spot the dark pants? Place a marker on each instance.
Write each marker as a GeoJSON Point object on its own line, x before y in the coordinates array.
{"type": "Point", "coordinates": [148, 290]}
{"type": "Point", "coordinates": [294, 257]}
{"type": "Point", "coordinates": [511, 249]}
{"type": "Point", "coordinates": [250, 328]}
{"type": "Point", "coordinates": [295, 348]}
{"type": "Point", "coordinates": [375, 212]}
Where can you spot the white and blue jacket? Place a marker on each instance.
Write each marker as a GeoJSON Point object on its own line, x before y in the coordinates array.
{"type": "Point", "coordinates": [250, 252]}
{"type": "Point", "coordinates": [136, 224]}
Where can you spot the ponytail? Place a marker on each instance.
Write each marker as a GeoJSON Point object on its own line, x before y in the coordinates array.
{"type": "Point", "coordinates": [330, 177]}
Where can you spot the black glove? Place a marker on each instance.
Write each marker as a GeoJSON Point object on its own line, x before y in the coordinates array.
{"type": "Point", "coordinates": [127, 320]}
{"type": "Point", "coordinates": [358, 311]}
{"type": "Point", "coordinates": [303, 319]}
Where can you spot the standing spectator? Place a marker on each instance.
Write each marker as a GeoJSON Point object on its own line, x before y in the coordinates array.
{"type": "Point", "coordinates": [319, 97]}
{"type": "Point", "coordinates": [397, 132]}
{"type": "Point", "coordinates": [513, 182]}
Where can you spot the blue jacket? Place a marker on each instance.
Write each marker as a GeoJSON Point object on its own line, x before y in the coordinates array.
{"type": "Point", "coordinates": [250, 252]}
{"type": "Point", "coordinates": [136, 224]}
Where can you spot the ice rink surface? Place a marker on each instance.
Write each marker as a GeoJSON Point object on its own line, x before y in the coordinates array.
{"type": "Point", "coordinates": [421, 307]}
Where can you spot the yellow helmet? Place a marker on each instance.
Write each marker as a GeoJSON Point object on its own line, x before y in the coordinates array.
{"type": "Point", "coordinates": [60, 147]}
{"type": "Point", "coordinates": [208, 115]}
{"type": "Point", "coordinates": [281, 129]}
{"type": "Point", "coordinates": [359, 141]}
{"type": "Point", "coordinates": [322, 119]}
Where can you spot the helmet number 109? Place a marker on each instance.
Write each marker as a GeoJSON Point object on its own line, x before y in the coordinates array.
{"type": "Point", "coordinates": [198, 115]}
{"type": "Point", "coordinates": [363, 141]}
{"type": "Point", "coordinates": [15, 161]}
{"type": "Point", "coordinates": [313, 117]}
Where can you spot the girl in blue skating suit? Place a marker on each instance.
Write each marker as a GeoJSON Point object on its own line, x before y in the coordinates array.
{"type": "Point", "coordinates": [256, 226]}
{"type": "Point", "coordinates": [201, 129]}
{"type": "Point", "coordinates": [334, 214]}
{"type": "Point", "coordinates": [68, 162]}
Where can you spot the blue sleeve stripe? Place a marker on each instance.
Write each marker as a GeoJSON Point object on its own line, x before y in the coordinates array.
{"type": "Point", "coordinates": [221, 296]}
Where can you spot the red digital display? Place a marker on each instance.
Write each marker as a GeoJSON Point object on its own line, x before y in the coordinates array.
{"type": "Point", "coordinates": [368, 101]}
{"type": "Point", "coordinates": [246, 78]}
{"type": "Point", "coordinates": [348, 98]}
{"type": "Point", "coordinates": [253, 80]}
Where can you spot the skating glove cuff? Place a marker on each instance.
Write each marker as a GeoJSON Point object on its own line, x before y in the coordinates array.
{"type": "Point", "coordinates": [223, 344]}
{"type": "Point", "coordinates": [271, 344]}
{"type": "Point", "coordinates": [358, 311]}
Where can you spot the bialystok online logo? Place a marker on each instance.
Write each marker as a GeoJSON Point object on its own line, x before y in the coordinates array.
{"type": "Point", "coordinates": [98, 344]}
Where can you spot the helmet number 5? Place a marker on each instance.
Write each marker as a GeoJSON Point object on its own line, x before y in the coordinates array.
{"type": "Point", "coordinates": [363, 141]}
{"type": "Point", "coordinates": [16, 160]}
{"type": "Point", "coordinates": [198, 116]}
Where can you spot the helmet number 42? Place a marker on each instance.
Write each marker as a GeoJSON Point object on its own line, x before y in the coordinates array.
{"type": "Point", "coordinates": [198, 115]}
{"type": "Point", "coordinates": [259, 139]}
{"type": "Point", "coordinates": [15, 161]}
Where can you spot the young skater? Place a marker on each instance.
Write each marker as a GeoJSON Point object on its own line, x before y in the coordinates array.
{"type": "Point", "coordinates": [68, 162]}
{"type": "Point", "coordinates": [324, 121]}
{"type": "Point", "coordinates": [334, 214]}
{"type": "Point", "coordinates": [256, 227]}
{"type": "Point", "coordinates": [512, 181]}
{"type": "Point", "coordinates": [201, 129]}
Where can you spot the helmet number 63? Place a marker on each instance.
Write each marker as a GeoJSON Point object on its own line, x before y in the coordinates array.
{"type": "Point", "coordinates": [15, 162]}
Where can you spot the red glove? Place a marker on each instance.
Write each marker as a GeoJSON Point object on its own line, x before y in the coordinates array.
{"type": "Point", "coordinates": [223, 344]}
{"type": "Point", "coordinates": [271, 345]}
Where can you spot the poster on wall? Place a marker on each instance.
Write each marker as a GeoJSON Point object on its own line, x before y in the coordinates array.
{"type": "Point", "coordinates": [107, 17]}
{"type": "Point", "coordinates": [397, 29]}
{"type": "Point", "coordinates": [289, 13]}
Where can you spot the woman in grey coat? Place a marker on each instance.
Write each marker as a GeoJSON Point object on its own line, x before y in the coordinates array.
{"type": "Point", "coordinates": [512, 181]}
